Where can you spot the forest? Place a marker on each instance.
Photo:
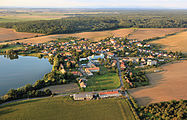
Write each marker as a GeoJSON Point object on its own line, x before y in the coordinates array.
{"type": "Point", "coordinates": [80, 23]}
{"type": "Point", "coordinates": [172, 110]}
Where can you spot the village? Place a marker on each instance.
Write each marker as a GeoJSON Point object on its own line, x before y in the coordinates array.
{"type": "Point", "coordinates": [83, 59]}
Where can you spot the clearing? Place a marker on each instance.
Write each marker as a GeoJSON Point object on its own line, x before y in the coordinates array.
{"type": "Point", "coordinates": [58, 108]}
{"type": "Point", "coordinates": [62, 89]}
{"type": "Point", "coordinates": [165, 86]}
{"type": "Point", "coordinates": [105, 81]}
{"type": "Point", "coordinates": [176, 42]}
{"type": "Point", "coordinates": [147, 33]}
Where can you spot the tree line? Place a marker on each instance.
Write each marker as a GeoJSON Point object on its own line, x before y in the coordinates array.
{"type": "Point", "coordinates": [99, 23]}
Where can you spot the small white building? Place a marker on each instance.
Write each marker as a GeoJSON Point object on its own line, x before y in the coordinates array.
{"type": "Point", "coordinates": [82, 59]}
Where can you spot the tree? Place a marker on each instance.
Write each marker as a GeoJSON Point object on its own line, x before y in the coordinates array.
{"type": "Point", "coordinates": [68, 65]}
{"type": "Point", "coordinates": [77, 65]}
{"type": "Point", "coordinates": [48, 92]}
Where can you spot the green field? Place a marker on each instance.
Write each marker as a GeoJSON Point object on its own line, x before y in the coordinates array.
{"type": "Point", "coordinates": [64, 108]}
{"type": "Point", "coordinates": [24, 18]}
{"type": "Point", "coordinates": [12, 47]}
{"type": "Point", "coordinates": [106, 80]}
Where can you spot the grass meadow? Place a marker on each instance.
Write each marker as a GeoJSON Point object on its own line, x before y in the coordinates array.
{"type": "Point", "coordinates": [64, 108]}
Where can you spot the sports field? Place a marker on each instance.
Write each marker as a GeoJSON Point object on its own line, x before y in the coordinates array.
{"type": "Point", "coordinates": [105, 81]}
{"type": "Point", "coordinates": [64, 108]}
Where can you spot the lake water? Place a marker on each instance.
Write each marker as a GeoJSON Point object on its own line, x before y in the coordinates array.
{"type": "Point", "coordinates": [16, 73]}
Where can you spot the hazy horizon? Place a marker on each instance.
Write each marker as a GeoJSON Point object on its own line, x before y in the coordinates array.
{"type": "Point", "coordinates": [133, 4]}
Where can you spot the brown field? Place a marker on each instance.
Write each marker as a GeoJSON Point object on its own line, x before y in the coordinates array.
{"type": "Point", "coordinates": [164, 86]}
{"type": "Point", "coordinates": [176, 42]}
{"type": "Point", "coordinates": [146, 33]}
{"type": "Point", "coordinates": [10, 34]}
{"type": "Point", "coordinates": [99, 35]}
{"type": "Point", "coordinates": [95, 36]}
{"type": "Point", "coordinates": [62, 89]}
{"type": "Point", "coordinates": [139, 34]}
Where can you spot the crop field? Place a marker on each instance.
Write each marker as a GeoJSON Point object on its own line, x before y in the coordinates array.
{"type": "Point", "coordinates": [176, 42]}
{"type": "Point", "coordinates": [10, 34]}
{"type": "Point", "coordinates": [106, 80]}
{"type": "Point", "coordinates": [62, 89]}
{"type": "Point", "coordinates": [140, 34]}
{"type": "Point", "coordinates": [147, 33]}
{"type": "Point", "coordinates": [164, 86]}
{"type": "Point", "coordinates": [95, 36]}
{"type": "Point", "coordinates": [64, 108]}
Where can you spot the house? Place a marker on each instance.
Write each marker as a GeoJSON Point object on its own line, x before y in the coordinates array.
{"type": "Point", "coordinates": [88, 72]}
{"type": "Point", "coordinates": [112, 41]}
{"type": "Point", "coordinates": [114, 63]}
{"type": "Point", "coordinates": [110, 54]}
{"type": "Point", "coordinates": [151, 62]}
{"type": "Point", "coordinates": [62, 69]}
{"type": "Point", "coordinates": [109, 94]}
{"type": "Point", "coordinates": [90, 64]}
{"type": "Point", "coordinates": [68, 54]}
{"type": "Point", "coordinates": [83, 85]}
{"type": "Point", "coordinates": [77, 73]}
{"type": "Point", "coordinates": [95, 69]}
{"type": "Point", "coordinates": [83, 96]}
{"type": "Point", "coordinates": [122, 66]}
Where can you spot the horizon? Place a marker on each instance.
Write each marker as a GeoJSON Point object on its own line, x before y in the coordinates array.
{"type": "Point", "coordinates": [105, 4]}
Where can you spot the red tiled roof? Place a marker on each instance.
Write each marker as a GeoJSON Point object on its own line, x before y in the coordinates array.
{"type": "Point", "coordinates": [111, 92]}
{"type": "Point", "coordinates": [95, 68]}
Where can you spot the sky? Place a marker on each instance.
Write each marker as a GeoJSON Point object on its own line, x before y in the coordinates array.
{"type": "Point", "coordinates": [171, 4]}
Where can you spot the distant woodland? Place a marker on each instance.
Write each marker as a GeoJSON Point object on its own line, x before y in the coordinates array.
{"type": "Point", "coordinates": [80, 23]}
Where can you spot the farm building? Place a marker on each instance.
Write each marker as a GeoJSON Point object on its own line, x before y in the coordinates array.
{"type": "Point", "coordinates": [109, 94]}
{"type": "Point", "coordinates": [83, 96]}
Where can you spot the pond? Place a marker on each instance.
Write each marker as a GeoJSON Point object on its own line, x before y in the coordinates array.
{"type": "Point", "coordinates": [18, 71]}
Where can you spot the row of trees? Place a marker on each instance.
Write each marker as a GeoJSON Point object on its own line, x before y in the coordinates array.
{"type": "Point", "coordinates": [28, 91]}
{"type": "Point", "coordinates": [97, 23]}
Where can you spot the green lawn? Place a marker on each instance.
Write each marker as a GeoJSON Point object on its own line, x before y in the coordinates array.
{"type": "Point", "coordinates": [64, 108]}
{"type": "Point", "coordinates": [106, 80]}
{"type": "Point", "coordinates": [13, 47]}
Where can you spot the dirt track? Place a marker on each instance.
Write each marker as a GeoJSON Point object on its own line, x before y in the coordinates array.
{"type": "Point", "coordinates": [165, 86]}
